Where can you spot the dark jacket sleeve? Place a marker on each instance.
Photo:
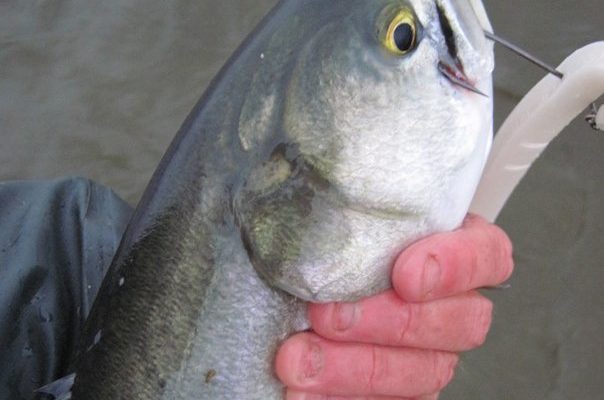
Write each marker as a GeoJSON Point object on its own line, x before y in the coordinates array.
{"type": "Point", "coordinates": [57, 239]}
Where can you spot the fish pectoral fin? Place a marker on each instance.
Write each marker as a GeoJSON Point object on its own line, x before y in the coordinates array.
{"type": "Point", "coordinates": [59, 389]}
{"type": "Point", "coordinates": [273, 209]}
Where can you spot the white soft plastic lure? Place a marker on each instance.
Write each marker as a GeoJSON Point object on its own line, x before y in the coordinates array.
{"type": "Point", "coordinates": [539, 117]}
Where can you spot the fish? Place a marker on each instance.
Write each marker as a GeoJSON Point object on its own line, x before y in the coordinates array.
{"type": "Point", "coordinates": [338, 133]}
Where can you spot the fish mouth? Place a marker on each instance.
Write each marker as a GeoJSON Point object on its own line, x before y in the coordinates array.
{"type": "Point", "coordinates": [450, 64]}
{"type": "Point", "coordinates": [456, 75]}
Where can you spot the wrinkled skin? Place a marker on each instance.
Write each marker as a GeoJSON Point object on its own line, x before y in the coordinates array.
{"type": "Point", "coordinates": [403, 342]}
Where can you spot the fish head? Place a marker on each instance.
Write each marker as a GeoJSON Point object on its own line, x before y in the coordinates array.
{"type": "Point", "coordinates": [386, 125]}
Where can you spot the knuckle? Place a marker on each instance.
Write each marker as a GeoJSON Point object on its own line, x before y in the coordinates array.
{"type": "Point", "coordinates": [378, 369]}
{"type": "Point", "coordinates": [385, 373]}
{"type": "Point", "coordinates": [408, 316]}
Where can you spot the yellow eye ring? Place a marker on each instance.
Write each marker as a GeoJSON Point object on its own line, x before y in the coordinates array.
{"type": "Point", "coordinates": [401, 31]}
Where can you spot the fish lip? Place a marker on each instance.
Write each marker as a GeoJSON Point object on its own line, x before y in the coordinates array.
{"type": "Point", "coordinates": [456, 75]}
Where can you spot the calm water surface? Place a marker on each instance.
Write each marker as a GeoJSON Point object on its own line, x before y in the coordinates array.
{"type": "Point", "coordinates": [98, 89]}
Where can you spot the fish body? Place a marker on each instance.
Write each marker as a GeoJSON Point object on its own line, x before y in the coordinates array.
{"type": "Point", "coordinates": [338, 133]}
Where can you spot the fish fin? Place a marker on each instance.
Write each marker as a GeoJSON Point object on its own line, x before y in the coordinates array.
{"type": "Point", "coordinates": [59, 389]}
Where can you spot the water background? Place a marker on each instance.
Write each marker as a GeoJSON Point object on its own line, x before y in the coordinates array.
{"type": "Point", "coordinates": [98, 89]}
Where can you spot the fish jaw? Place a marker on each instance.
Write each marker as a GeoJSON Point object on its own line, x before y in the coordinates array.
{"type": "Point", "coordinates": [392, 150]}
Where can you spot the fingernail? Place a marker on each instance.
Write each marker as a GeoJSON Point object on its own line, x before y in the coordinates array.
{"type": "Point", "coordinates": [430, 276]}
{"type": "Point", "coordinates": [344, 316]}
{"type": "Point", "coordinates": [312, 361]}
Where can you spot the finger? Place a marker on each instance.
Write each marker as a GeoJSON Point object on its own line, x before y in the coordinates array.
{"type": "Point", "coordinates": [453, 324]}
{"type": "Point", "coordinates": [309, 363]}
{"type": "Point", "coordinates": [478, 254]}
{"type": "Point", "coordinates": [296, 395]}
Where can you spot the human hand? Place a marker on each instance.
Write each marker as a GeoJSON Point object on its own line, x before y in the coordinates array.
{"type": "Point", "coordinates": [402, 344]}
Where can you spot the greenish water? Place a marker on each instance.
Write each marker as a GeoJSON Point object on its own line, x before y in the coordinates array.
{"type": "Point", "coordinates": [98, 89]}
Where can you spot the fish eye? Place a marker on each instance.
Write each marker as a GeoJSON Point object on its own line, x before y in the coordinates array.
{"type": "Point", "coordinates": [399, 30]}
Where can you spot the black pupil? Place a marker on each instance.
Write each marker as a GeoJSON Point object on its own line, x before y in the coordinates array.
{"type": "Point", "coordinates": [403, 37]}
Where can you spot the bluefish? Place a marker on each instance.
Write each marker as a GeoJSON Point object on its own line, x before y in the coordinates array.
{"type": "Point", "coordinates": [340, 132]}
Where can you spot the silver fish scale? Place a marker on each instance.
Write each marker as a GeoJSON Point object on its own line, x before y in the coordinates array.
{"type": "Point", "coordinates": [312, 159]}
{"type": "Point", "coordinates": [227, 342]}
